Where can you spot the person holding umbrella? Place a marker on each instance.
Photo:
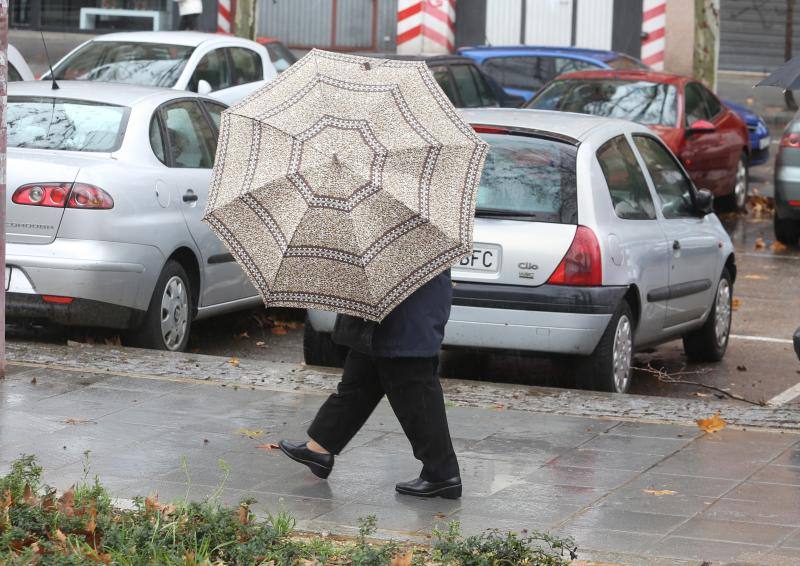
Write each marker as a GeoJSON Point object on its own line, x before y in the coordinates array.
{"type": "Point", "coordinates": [349, 184]}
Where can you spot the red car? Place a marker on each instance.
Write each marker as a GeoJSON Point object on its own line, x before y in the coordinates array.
{"type": "Point", "coordinates": [710, 139]}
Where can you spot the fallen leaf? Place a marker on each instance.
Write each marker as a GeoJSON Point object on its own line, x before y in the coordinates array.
{"type": "Point", "coordinates": [250, 433]}
{"type": "Point", "coordinates": [113, 341]}
{"type": "Point", "coordinates": [151, 503]}
{"type": "Point", "coordinates": [741, 368]}
{"type": "Point", "coordinates": [33, 381]}
{"type": "Point", "coordinates": [777, 246]}
{"type": "Point", "coordinates": [268, 447]}
{"type": "Point", "coordinates": [78, 421]}
{"type": "Point", "coordinates": [260, 344]}
{"type": "Point", "coordinates": [279, 330]}
{"type": "Point", "coordinates": [759, 244]}
{"type": "Point", "coordinates": [403, 559]}
{"type": "Point", "coordinates": [659, 492]}
{"type": "Point", "coordinates": [712, 424]}
{"type": "Point", "coordinates": [234, 362]}
{"type": "Point", "coordinates": [736, 303]}
{"type": "Point", "coordinates": [91, 525]}
{"type": "Point", "coordinates": [756, 277]}
{"type": "Point", "coordinates": [244, 514]}
{"type": "Point", "coordinates": [60, 536]}
{"type": "Point", "coordinates": [244, 334]}
{"type": "Point", "coordinates": [699, 394]}
{"type": "Point", "coordinates": [27, 495]}
{"type": "Point", "coordinates": [439, 516]}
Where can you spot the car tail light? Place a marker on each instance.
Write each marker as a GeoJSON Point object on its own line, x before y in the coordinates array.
{"type": "Point", "coordinates": [489, 129]}
{"type": "Point", "coordinates": [61, 195]}
{"type": "Point", "coordinates": [791, 139]}
{"type": "Point", "coordinates": [581, 265]}
{"type": "Point", "coordinates": [57, 299]}
{"type": "Point", "coordinates": [88, 196]}
{"type": "Point", "coordinates": [794, 203]}
{"type": "Point", "coordinates": [42, 194]}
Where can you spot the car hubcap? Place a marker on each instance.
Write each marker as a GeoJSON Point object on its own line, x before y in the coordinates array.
{"type": "Point", "coordinates": [174, 313]}
{"type": "Point", "coordinates": [740, 189]}
{"type": "Point", "coordinates": [623, 352]}
{"type": "Point", "coordinates": [722, 319]}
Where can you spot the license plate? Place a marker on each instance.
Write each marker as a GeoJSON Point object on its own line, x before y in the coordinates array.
{"type": "Point", "coordinates": [763, 143]}
{"type": "Point", "coordinates": [484, 257]}
{"type": "Point", "coordinates": [8, 277]}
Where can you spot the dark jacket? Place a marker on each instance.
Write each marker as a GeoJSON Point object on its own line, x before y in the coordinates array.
{"type": "Point", "coordinates": [414, 329]}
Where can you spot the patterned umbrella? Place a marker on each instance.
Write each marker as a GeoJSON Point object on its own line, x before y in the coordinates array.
{"type": "Point", "coordinates": [345, 184]}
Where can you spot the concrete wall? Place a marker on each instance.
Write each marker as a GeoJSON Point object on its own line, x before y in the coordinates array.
{"type": "Point", "coordinates": [679, 37]}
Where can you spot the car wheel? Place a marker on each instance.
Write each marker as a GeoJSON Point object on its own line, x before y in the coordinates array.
{"type": "Point", "coordinates": [737, 199]}
{"type": "Point", "coordinates": [320, 350]}
{"type": "Point", "coordinates": [169, 317]}
{"type": "Point", "coordinates": [610, 366]}
{"type": "Point", "coordinates": [709, 342]}
{"type": "Point", "coordinates": [787, 231]}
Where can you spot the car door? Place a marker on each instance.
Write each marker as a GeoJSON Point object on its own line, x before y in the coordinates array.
{"type": "Point", "coordinates": [701, 150]}
{"type": "Point", "coordinates": [722, 172]}
{"type": "Point", "coordinates": [695, 259]}
{"type": "Point", "coordinates": [191, 143]}
{"type": "Point", "coordinates": [636, 241]}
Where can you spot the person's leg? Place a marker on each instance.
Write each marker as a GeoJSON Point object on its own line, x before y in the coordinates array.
{"type": "Point", "coordinates": [345, 412]}
{"type": "Point", "coordinates": [183, 23]}
{"type": "Point", "coordinates": [414, 391]}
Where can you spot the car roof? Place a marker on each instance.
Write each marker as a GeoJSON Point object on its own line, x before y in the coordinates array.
{"type": "Point", "coordinates": [627, 75]}
{"type": "Point", "coordinates": [562, 124]}
{"type": "Point", "coordinates": [427, 57]}
{"type": "Point", "coordinates": [188, 38]}
{"type": "Point", "coordinates": [580, 52]}
{"type": "Point", "coordinates": [91, 91]}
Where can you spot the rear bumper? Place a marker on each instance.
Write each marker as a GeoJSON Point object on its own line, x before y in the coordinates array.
{"type": "Point", "coordinates": [547, 319]}
{"type": "Point", "coordinates": [787, 188]}
{"type": "Point", "coordinates": [113, 273]}
{"type": "Point", "coordinates": [80, 312]}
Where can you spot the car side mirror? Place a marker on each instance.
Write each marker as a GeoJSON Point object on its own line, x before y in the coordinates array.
{"type": "Point", "coordinates": [701, 127]}
{"type": "Point", "coordinates": [204, 87]}
{"type": "Point", "coordinates": [704, 201]}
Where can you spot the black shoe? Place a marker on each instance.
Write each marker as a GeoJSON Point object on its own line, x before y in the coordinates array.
{"type": "Point", "coordinates": [319, 464]}
{"type": "Point", "coordinates": [449, 489]}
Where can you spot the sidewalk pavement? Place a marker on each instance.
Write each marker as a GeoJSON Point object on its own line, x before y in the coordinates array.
{"type": "Point", "coordinates": [628, 491]}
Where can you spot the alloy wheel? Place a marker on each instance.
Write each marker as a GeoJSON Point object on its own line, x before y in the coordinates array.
{"type": "Point", "coordinates": [174, 313]}
{"type": "Point", "coordinates": [623, 354]}
{"type": "Point", "coordinates": [740, 188]}
{"type": "Point", "coordinates": [722, 316]}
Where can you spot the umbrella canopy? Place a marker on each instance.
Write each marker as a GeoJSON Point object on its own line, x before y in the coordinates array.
{"type": "Point", "coordinates": [787, 76]}
{"type": "Point", "coordinates": [345, 184]}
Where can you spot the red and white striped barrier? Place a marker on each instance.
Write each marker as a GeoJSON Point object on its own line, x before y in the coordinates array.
{"type": "Point", "coordinates": [654, 18]}
{"type": "Point", "coordinates": [426, 26]}
{"type": "Point", "coordinates": [224, 16]}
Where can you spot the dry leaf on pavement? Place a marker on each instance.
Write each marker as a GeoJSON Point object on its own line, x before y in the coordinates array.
{"type": "Point", "coordinates": [279, 330]}
{"type": "Point", "coordinates": [78, 421]}
{"type": "Point", "coordinates": [777, 246]}
{"type": "Point", "coordinates": [260, 344]}
{"type": "Point", "coordinates": [659, 492]}
{"type": "Point", "coordinates": [756, 277]}
{"type": "Point", "coordinates": [759, 244]}
{"type": "Point", "coordinates": [711, 424]}
{"type": "Point", "coordinates": [736, 303]}
{"type": "Point", "coordinates": [249, 433]}
{"type": "Point", "coordinates": [267, 447]}
{"type": "Point", "coordinates": [403, 559]}
{"type": "Point", "coordinates": [234, 362]}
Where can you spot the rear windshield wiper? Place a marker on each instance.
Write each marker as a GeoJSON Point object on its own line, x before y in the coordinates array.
{"type": "Point", "coordinates": [503, 213]}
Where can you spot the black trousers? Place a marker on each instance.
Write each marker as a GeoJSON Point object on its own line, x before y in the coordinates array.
{"type": "Point", "coordinates": [416, 397]}
{"type": "Point", "coordinates": [189, 22]}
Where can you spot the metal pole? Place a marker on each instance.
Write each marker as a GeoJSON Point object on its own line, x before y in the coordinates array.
{"type": "Point", "coordinates": [3, 100]}
{"type": "Point", "coordinates": [788, 95]}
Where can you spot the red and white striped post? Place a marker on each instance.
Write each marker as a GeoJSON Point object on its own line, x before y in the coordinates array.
{"type": "Point", "coordinates": [654, 19]}
{"type": "Point", "coordinates": [224, 16]}
{"type": "Point", "coordinates": [426, 26]}
{"type": "Point", "coordinates": [3, 102]}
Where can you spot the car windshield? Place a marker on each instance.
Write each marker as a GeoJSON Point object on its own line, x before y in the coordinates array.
{"type": "Point", "coordinates": [641, 101]}
{"type": "Point", "coordinates": [149, 64]}
{"type": "Point", "coordinates": [69, 125]}
{"type": "Point", "coordinates": [528, 177]}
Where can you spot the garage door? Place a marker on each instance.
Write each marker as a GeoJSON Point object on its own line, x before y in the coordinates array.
{"type": "Point", "coordinates": [752, 34]}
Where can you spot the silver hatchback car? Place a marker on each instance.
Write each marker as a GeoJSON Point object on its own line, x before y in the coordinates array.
{"type": "Point", "coordinates": [106, 190]}
{"type": "Point", "coordinates": [590, 242]}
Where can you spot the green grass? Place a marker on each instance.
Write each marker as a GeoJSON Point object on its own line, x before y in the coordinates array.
{"type": "Point", "coordinates": [82, 526]}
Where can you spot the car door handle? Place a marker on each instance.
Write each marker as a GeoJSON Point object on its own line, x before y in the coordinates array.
{"type": "Point", "coordinates": [676, 245]}
{"type": "Point", "coordinates": [189, 196]}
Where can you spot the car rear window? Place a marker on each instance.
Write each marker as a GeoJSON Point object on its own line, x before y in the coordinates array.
{"type": "Point", "coordinates": [69, 125]}
{"type": "Point", "coordinates": [528, 177]}
{"type": "Point", "coordinates": [625, 63]}
{"type": "Point", "coordinates": [149, 64]}
{"type": "Point", "coordinates": [641, 101]}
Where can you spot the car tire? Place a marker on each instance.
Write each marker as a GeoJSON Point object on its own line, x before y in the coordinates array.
{"type": "Point", "coordinates": [168, 320]}
{"type": "Point", "coordinates": [737, 199]}
{"type": "Point", "coordinates": [787, 231]}
{"type": "Point", "coordinates": [610, 366]}
{"type": "Point", "coordinates": [709, 342]}
{"type": "Point", "coordinates": [320, 350]}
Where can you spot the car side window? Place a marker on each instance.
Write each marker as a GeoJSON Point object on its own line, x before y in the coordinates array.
{"type": "Point", "coordinates": [565, 65]}
{"type": "Point", "coordinates": [13, 74]}
{"type": "Point", "coordinates": [526, 73]}
{"type": "Point", "coordinates": [673, 187]}
{"type": "Point", "coordinates": [281, 57]}
{"type": "Point", "coordinates": [191, 139]}
{"type": "Point", "coordinates": [465, 83]}
{"type": "Point", "coordinates": [442, 76]}
{"type": "Point", "coordinates": [487, 96]}
{"type": "Point", "coordinates": [214, 111]}
{"type": "Point", "coordinates": [247, 67]}
{"type": "Point", "coordinates": [157, 140]}
{"type": "Point", "coordinates": [695, 104]}
{"type": "Point", "coordinates": [212, 68]}
{"type": "Point", "coordinates": [712, 102]}
{"type": "Point", "coordinates": [626, 183]}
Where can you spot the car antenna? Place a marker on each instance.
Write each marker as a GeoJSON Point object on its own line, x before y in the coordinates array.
{"type": "Point", "coordinates": [54, 85]}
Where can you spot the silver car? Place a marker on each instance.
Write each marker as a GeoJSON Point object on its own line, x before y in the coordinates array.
{"type": "Point", "coordinates": [787, 185]}
{"type": "Point", "coordinates": [590, 242]}
{"type": "Point", "coordinates": [106, 189]}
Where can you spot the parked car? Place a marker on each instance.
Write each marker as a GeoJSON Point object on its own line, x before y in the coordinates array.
{"type": "Point", "coordinates": [523, 70]}
{"type": "Point", "coordinates": [787, 185]}
{"type": "Point", "coordinates": [106, 189]}
{"type": "Point", "coordinates": [462, 81]}
{"type": "Point", "coordinates": [710, 140]}
{"type": "Point", "coordinates": [281, 56]}
{"type": "Point", "coordinates": [590, 241]}
{"type": "Point", "coordinates": [226, 67]}
{"type": "Point", "coordinates": [18, 69]}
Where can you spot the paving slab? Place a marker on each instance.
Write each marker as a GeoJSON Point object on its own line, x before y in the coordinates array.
{"type": "Point", "coordinates": [629, 491]}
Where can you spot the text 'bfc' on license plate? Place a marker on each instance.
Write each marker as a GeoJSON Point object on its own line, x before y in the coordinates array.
{"type": "Point", "coordinates": [484, 257]}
